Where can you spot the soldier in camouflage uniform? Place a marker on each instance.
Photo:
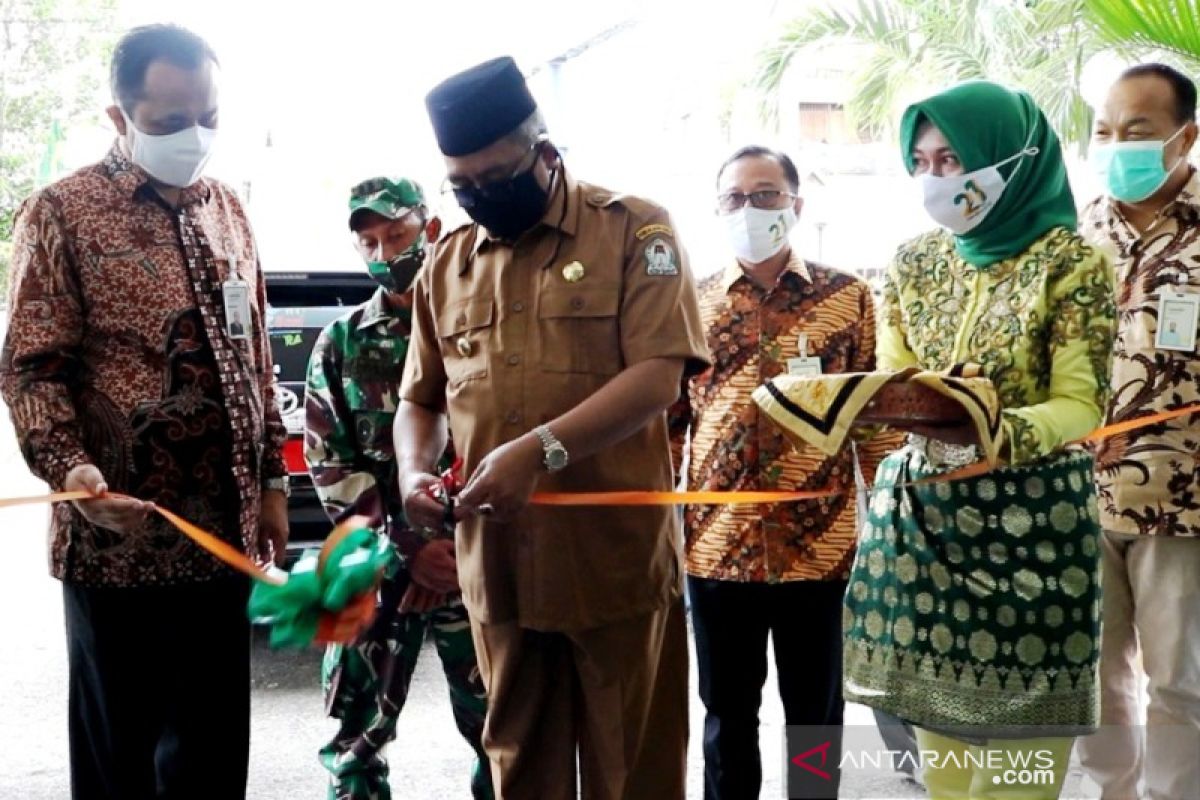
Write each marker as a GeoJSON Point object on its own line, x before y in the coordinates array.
{"type": "Point", "coordinates": [353, 382]}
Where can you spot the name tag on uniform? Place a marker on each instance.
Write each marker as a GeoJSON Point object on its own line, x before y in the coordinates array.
{"type": "Point", "coordinates": [806, 365]}
{"type": "Point", "coordinates": [237, 308]}
{"type": "Point", "coordinates": [1178, 313]}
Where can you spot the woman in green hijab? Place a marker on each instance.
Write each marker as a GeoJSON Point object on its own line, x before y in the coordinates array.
{"type": "Point", "coordinates": [972, 610]}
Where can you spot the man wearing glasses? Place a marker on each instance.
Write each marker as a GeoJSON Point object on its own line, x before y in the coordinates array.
{"type": "Point", "coordinates": [778, 570]}
{"type": "Point", "coordinates": [552, 332]}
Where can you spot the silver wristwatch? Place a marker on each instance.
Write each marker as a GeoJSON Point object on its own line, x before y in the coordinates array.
{"type": "Point", "coordinates": [278, 485]}
{"type": "Point", "coordinates": [555, 456]}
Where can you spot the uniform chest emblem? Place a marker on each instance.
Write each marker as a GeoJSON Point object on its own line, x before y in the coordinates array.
{"type": "Point", "coordinates": [573, 272]}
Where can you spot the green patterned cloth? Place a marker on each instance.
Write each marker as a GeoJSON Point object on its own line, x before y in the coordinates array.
{"type": "Point", "coordinates": [1040, 325]}
{"type": "Point", "coordinates": [350, 404]}
{"type": "Point", "coordinates": [973, 606]}
{"type": "Point", "coordinates": [366, 685]}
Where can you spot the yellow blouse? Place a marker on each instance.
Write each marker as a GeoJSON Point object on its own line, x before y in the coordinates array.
{"type": "Point", "coordinates": [1040, 324]}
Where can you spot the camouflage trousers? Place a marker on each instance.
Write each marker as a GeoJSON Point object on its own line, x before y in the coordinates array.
{"type": "Point", "coordinates": [366, 685]}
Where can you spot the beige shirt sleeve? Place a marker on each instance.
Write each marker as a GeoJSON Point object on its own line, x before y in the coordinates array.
{"type": "Point", "coordinates": [424, 371]}
{"type": "Point", "coordinates": [660, 313]}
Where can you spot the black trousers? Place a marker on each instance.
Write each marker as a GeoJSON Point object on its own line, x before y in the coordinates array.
{"type": "Point", "coordinates": [732, 622]}
{"type": "Point", "coordinates": [159, 691]}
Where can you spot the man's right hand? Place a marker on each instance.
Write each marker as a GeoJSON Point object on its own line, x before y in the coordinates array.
{"type": "Point", "coordinates": [419, 600]}
{"type": "Point", "coordinates": [434, 567]}
{"type": "Point", "coordinates": [120, 515]}
{"type": "Point", "coordinates": [421, 510]}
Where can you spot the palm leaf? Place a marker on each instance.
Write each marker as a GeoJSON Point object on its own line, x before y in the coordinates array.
{"type": "Point", "coordinates": [930, 44]}
{"type": "Point", "coordinates": [1170, 25]}
{"type": "Point", "coordinates": [872, 22]}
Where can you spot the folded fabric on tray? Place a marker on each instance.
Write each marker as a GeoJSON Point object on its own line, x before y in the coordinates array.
{"type": "Point", "coordinates": [820, 410]}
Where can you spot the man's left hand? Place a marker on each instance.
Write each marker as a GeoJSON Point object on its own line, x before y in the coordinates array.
{"type": "Point", "coordinates": [504, 480]}
{"type": "Point", "coordinates": [273, 524]}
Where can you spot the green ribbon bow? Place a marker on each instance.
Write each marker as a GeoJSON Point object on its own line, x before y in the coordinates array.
{"type": "Point", "coordinates": [313, 589]}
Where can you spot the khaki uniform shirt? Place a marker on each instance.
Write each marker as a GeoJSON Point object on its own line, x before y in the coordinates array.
{"type": "Point", "coordinates": [507, 337]}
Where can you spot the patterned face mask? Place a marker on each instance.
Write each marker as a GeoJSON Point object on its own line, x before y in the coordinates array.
{"type": "Point", "coordinates": [757, 234]}
{"type": "Point", "coordinates": [960, 203]}
{"type": "Point", "coordinates": [397, 275]}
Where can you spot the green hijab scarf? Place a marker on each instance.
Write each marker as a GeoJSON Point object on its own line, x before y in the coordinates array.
{"type": "Point", "coordinates": [986, 123]}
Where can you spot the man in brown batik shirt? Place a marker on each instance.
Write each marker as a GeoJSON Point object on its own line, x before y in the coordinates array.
{"type": "Point", "coordinates": [137, 361]}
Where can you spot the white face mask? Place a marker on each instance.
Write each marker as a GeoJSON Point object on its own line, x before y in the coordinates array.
{"type": "Point", "coordinates": [960, 202]}
{"type": "Point", "coordinates": [177, 159]}
{"type": "Point", "coordinates": [756, 234]}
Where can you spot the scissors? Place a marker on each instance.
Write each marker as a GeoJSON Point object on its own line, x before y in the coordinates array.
{"type": "Point", "coordinates": [449, 484]}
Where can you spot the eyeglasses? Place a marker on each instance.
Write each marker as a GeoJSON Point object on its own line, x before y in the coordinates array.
{"type": "Point", "coordinates": [768, 199]}
{"type": "Point", "coordinates": [450, 186]}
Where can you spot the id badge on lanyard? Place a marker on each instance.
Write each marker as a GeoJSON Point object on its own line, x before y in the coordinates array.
{"type": "Point", "coordinates": [236, 293]}
{"type": "Point", "coordinates": [805, 364]}
{"type": "Point", "coordinates": [1178, 313]}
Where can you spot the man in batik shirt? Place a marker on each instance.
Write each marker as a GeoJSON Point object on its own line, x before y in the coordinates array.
{"type": "Point", "coordinates": [1148, 481]}
{"type": "Point", "coordinates": [124, 372]}
{"type": "Point", "coordinates": [776, 571]}
{"type": "Point", "coordinates": [353, 385]}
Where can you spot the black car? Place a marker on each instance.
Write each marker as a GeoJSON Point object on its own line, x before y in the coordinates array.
{"type": "Point", "coordinates": [299, 306]}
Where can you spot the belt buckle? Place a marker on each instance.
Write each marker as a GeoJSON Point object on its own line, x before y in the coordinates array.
{"type": "Point", "coordinates": [941, 454]}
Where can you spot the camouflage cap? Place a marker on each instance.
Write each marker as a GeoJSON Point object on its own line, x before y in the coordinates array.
{"type": "Point", "coordinates": [388, 197]}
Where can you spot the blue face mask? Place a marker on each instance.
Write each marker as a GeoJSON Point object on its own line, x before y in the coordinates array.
{"type": "Point", "coordinates": [1132, 171]}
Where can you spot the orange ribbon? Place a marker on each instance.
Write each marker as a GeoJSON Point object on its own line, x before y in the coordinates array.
{"type": "Point", "coordinates": [642, 498]}
{"type": "Point", "coordinates": [1117, 428]}
{"type": "Point", "coordinates": [220, 549]}
{"type": "Point", "coordinates": [333, 627]}
{"type": "Point", "coordinates": [342, 627]}
{"type": "Point", "coordinates": [353, 616]}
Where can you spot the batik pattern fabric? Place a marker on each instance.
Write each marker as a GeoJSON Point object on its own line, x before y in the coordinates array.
{"type": "Point", "coordinates": [973, 605]}
{"type": "Point", "coordinates": [117, 355]}
{"type": "Point", "coordinates": [753, 333]}
{"type": "Point", "coordinates": [1040, 326]}
{"type": "Point", "coordinates": [1149, 480]}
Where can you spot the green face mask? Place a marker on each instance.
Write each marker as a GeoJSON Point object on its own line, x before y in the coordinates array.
{"type": "Point", "coordinates": [1133, 171]}
{"type": "Point", "coordinates": [397, 275]}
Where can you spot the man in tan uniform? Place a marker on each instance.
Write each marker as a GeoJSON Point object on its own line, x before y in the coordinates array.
{"type": "Point", "coordinates": [552, 332]}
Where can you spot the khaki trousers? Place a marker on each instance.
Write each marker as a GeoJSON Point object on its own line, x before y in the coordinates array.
{"type": "Point", "coordinates": [609, 704]}
{"type": "Point", "coordinates": [1152, 599]}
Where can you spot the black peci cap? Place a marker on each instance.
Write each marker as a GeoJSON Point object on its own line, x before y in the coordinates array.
{"type": "Point", "coordinates": [479, 106]}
